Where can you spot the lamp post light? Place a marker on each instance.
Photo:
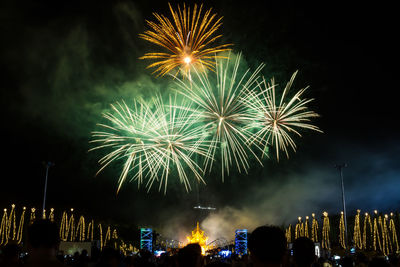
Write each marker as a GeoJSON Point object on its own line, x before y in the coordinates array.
{"type": "Point", "coordinates": [340, 168]}
{"type": "Point", "coordinates": [48, 164]}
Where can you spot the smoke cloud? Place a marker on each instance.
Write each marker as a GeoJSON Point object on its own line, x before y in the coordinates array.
{"type": "Point", "coordinates": [279, 200]}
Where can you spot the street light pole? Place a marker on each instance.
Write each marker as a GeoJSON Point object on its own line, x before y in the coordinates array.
{"type": "Point", "coordinates": [48, 165]}
{"type": "Point", "coordinates": [340, 168]}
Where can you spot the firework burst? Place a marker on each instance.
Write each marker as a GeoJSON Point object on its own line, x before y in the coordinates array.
{"type": "Point", "coordinates": [278, 119]}
{"type": "Point", "coordinates": [152, 139]}
{"type": "Point", "coordinates": [224, 114]}
{"type": "Point", "coordinates": [187, 40]}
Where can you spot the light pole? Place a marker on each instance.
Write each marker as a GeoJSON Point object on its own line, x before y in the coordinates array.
{"type": "Point", "coordinates": [48, 164]}
{"type": "Point", "coordinates": [340, 168]}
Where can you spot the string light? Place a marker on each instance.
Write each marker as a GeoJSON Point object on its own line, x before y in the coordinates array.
{"type": "Point", "coordinates": [80, 230]}
{"type": "Point", "coordinates": [21, 226]}
{"type": "Point", "coordinates": [299, 230]}
{"type": "Point", "coordinates": [123, 247]}
{"type": "Point", "coordinates": [357, 231]}
{"type": "Point", "coordinates": [32, 217]}
{"type": "Point", "coordinates": [325, 232]}
{"type": "Point", "coordinates": [3, 228]}
{"type": "Point", "coordinates": [392, 229]}
{"type": "Point", "coordinates": [51, 215]}
{"type": "Point", "coordinates": [306, 228]}
{"type": "Point", "coordinates": [11, 224]}
{"type": "Point", "coordinates": [377, 239]}
{"type": "Point", "coordinates": [90, 230]}
{"type": "Point", "coordinates": [101, 236]}
{"type": "Point", "coordinates": [114, 234]}
{"type": "Point", "coordinates": [64, 227]}
{"type": "Point", "coordinates": [342, 240]}
{"type": "Point", "coordinates": [386, 243]}
{"type": "Point", "coordinates": [288, 234]}
{"type": "Point", "coordinates": [108, 236]}
{"type": "Point", "coordinates": [71, 226]}
{"type": "Point", "coordinates": [314, 229]}
{"type": "Point", "coordinates": [367, 222]}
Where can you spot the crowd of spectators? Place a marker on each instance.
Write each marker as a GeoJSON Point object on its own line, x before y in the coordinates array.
{"type": "Point", "coordinates": [267, 246]}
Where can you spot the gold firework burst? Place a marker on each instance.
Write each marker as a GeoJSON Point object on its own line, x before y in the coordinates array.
{"type": "Point", "coordinates": [187, 39]}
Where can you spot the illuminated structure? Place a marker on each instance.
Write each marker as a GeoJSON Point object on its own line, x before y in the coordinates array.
{"type": "Point", "coordinates": [198, 237]}
{"type": "Point", "coordinates": [241, 241]}
{"type": "Point", "coordinates": [146, 239]}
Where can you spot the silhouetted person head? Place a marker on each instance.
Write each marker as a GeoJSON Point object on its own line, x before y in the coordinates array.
{"type": "Point", "coordinates": [190, 256]}
{"type": "Point", "coordinates": [218, 264]}
{"type": "Point", "coordinates": [145, 254]}
{"type": "Point", "coordinates": [43, 234]}
{"type": "Point", "coordinates": [267, 245]}
{"type": "Point", "coordinates": [347, 261]}
{"type": "Point", "coordinates": [394, 260]}
{"type": "Point", "coordinates": [378, 262]}
{"type": "Point", "coordinates": [84, 253]}
{"type": "Point", "coordinates": [109, 257]}
{"type": "Point", "coordinates": [303, 252]}
{"type": "Point", "coordinates": [10, 255]}
{"type": "Point", "coordinates": [43, 242]}
{"type": "Point", "coordinates": [144, 259]}
{"type": "Point", "coordinates": [361, 259]}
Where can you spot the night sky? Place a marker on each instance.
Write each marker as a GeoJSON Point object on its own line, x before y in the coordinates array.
{"type": "Point", "coordinates": [64, 63]}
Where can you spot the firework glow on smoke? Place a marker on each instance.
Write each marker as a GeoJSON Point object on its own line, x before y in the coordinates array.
{"type": "Point", "coordinates": [153, 139]}
{"type": "Point", "coordinates": [187, 40]}
{"type": "Point", "coordinates": [277, 118]}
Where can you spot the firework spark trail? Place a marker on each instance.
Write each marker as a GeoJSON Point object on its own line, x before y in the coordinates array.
{"type": "Point", "coordinates": [188, 39]}
{"type": "Point", "coordinates": [276, 120]}
{"type": "Point", "coordinates": [152, 140]}
{"type": "Point", "coordinates": [224, 114]}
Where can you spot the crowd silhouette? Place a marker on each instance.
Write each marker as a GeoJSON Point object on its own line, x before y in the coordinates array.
{"type": "Point", "coordinates": [267, 248]}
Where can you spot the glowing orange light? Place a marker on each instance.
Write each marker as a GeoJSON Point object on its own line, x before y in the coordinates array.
{"type": "Point", "coordinates": [199, 237]}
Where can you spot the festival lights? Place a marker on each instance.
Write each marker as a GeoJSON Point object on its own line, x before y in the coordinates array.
{"type": "Point", "coordinates": [342, 231]}
{"type": "Point", "coordinates": [357, 238]}
{"type": "Point", "coordinates": [314, 228]}
{"type": "Point", "coordinates": [326, 244]}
